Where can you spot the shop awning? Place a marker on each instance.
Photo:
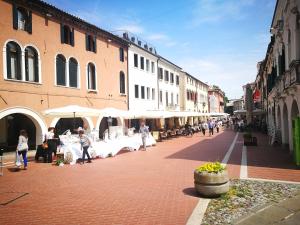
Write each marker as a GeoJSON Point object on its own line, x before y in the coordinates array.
{"type": "Point", "coordinates": [71, 111]}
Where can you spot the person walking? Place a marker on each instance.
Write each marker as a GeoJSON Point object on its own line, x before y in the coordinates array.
{"type": "Point", "coordinates": [144, 134]}
{"type": "Point", "coordinates": [204, 127]}
{"type": "Point", "coordinates": [22, 148]}
{"type": "Point", "coordinates": [218, 126]}
{"type": "Point", "coordinates": [85, 144]}
{"type": "Point", "coordinates": [52, 145]}
{"type": "Point", "coordinates": [211, 128]}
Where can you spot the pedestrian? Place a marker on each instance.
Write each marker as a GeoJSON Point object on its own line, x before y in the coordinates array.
{"type": "Point", "coordinates": [211, 128]}
{"type": "Point", "coordinates": [144, 134]}
{"type": "Point", "coordinates": [22, 148]}
{"type": "Point", "coordinates": [85, 144]}
{"type": "Point", "coordinates": [52, 145]}
{"type": "Point", "coordinates": [204, 127]}
{"type": "Point", "coordinates": [218, 127]}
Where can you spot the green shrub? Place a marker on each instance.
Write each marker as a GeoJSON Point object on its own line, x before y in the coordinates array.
{"type": "Point", "coordinates": [211, 167]}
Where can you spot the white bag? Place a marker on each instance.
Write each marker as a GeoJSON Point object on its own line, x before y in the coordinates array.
{"type": "Point", "coordinates": [18, 159]}
{"type": "Point", "coordinates": [22, 146]}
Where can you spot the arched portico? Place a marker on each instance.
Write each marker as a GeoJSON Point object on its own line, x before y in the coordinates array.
{"type": "Point", "coordinates": [40, 125]}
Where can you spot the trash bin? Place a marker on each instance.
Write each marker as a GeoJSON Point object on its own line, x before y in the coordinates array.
{"type": "Point", "coordinates": [296, 140]}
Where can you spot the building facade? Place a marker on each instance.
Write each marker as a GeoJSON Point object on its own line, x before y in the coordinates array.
{"type": "Point", "coordinates": [51, 59]}
{"type": "Point", "coordinates": [279, 73]}
{"type": "Point", "coordinates": [194, 94]}
{"type": "Point", "coordinates": [216, 100]}
{"type": "Point", "coordinates": [168, 85]}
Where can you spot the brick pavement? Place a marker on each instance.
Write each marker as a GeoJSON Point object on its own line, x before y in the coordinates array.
{"type": "Point", "coordinates": [267, 162]}
{"type": "Point", "coordinates": [153, 187]}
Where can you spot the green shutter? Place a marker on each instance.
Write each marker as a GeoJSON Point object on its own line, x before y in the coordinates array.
{"type": "Point", "coordinates": [87, 42]}
{"type": "Point", "coordinates": [72, 41]}
{"type": "Point", "coordinates": [95, 44]}
{"type": "Point", "coordinates": [8, 62]}
{"type": "Point", "coordinates": [26, 65]}
{"type": "Point", "coordinates": [36, 68]}
{"type": "Point", "coordinates": [29, 23]}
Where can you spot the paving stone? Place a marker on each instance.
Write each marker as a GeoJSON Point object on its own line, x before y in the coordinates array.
{"type": "Point", "coordinates": [291, 204]}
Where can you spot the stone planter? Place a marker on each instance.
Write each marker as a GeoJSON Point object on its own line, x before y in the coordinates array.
{"type": "Point", "coordinates": [211, 184]}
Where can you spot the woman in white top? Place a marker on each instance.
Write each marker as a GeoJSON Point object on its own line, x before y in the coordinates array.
{"type": "Point", "coordinates": [51, 141]}
{"type": "Point", "coordinates": [22, 147]}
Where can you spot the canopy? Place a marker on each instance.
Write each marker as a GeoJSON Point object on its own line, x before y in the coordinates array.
{"type": "Point", "coordinates": [113, 112]}
{"type": "Point", "coordinates": [71, 111]}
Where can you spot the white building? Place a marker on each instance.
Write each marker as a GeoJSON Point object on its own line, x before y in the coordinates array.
{"type": "Point", "coordinates": [283, 67]}
{"type": "Point", "coordinates": [168, 85]}
{"type": "Point", "coordinates": [142, 75]}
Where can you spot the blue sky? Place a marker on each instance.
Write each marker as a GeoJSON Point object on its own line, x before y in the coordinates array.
{"type": "Point", "coordinates": [217, 41]}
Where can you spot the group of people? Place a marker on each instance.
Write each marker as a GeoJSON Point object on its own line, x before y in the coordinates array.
{"type": "Point", "coordinates": [209, 125]}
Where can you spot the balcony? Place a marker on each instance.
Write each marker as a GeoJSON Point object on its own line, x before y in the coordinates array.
{"type": "Point", "coordinates": [289, 79]}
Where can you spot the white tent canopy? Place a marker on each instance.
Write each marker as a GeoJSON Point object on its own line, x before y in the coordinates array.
{"type": "Point", "coordinates": [71, 111]}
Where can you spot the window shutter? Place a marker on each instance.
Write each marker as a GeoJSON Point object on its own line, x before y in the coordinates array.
{"type": "Point", "coordinates": [95, 44]}
{"type": "Point", "coordinates": [15, 17]}
{"type": "Point", "coordinates": [19, 73]}
{"type": "Point", "coordinates": [72, 41]}
{"type": "Point", "coordinates": [29, 23]}
{"type": "Point", "coordinates": [8, 63]}
{"type": "Point", "coordinates": [87, 42]}
{"type": "Point", "coordinates": [62, 34]}
{"type": "Point", "coordinates": [36, 68]}
{"type": "Point", "coordinates": [26, 65]}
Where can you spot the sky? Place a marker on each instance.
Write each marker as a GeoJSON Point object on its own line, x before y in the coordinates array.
{"type": "Point", "coordinates": [216, 41]}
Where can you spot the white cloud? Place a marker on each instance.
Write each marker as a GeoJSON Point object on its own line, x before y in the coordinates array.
{"type": "Point", "coordinates": [157, 37]}
{"type": "Point", "coordinates": [212, 11]}
{"type": "Point", "coordinates": [133, 28]}
{"type": "Point", "coordinates": [230, 72]}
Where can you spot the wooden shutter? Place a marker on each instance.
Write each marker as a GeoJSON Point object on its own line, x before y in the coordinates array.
{"type": "Point", "coordinates": [15, 17]}
{"type": "Point", "coordinates": [29, 23]}
{"type": "Point", "coordinates": [26, 65]}
{"type": "Point", "coordinates": [8, 61]}
{"type": "Point", "coordinates": [36, 67]}
{"type": "Point", "coordinates": [95, 44]}
{"type": "Point", "coordinates": [73, 73]}
{"type": "Point", "coordinates": [62, 34]}
{"type": "Point", "coordinates": [87, 42]}
{"type": "Point", "coordinates": [19, 60]}
{"type": "Point", "coordinates": [72, 41]}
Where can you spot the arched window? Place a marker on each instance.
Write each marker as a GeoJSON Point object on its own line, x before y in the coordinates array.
{"type": "Point", "coordinates": [60, 70]}
{"type": "Point", "coordinates": [73, 72]}
{"type": "Point", "coordinates": [13, 60]}
{"type": "Point", "coordinates": [31, 65]}
{"type": "Point", "coordinates": [91, 76]}
{"type": "Point", "coordinates": [122, 82]}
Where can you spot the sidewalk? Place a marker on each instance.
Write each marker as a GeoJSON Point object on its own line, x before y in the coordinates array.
{"type": "Point", "coordinates": [271, 162]}
{"type": "Point", "coordinates": [286, 212]}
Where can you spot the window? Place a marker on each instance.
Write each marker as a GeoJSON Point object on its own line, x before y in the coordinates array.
{"type": "Point", "coordinates": [147, 65]}
{"type": "Point", "coordinates": [13, 61]}
{"type": "Point", "coordinates": [22, 19]}
{"type": "Point", "coordinates": [177, 80]}
{"type": "Point", "coordinates": [160, 73]}
{"type": "Point", "coordinates": [172, 99]}
{"type": "Point", "coordinates": [177, 99]}
{"type": "Point", "coordinates": [152, 67]}
{"type": "Point", "coordinates": [66, 35]}
{"type": "Point", "coordinates": [148, 93]}
{"type": "Point", "coordinates": [122, 82]}
{"type": "Point", "coordinates": [136, 91]}
{"type": "Point", "coordinates": [167, 98]}
{"type": "Point", "coordinates": [91, 76]}
{"type": "Point", "coordinates": [172, 78]}
{"type": "Point", "coordinates": [90, 43]}
{"type": "Point", "coordinates": [187, 95]}
{"type": "Point", "coordinates": [73, 73]}
{"type": "Point", "coordinates": [166, 75]}
{"type": "Point", "coordinates": [60, 70]}
{"type": "Point", "coordinates": [160, 97]}
{"type": "Point", "coordinates": [31, 65]}
{"type": "Point", "coordinates": [121, 51]}
{"type": "Point", "coordinates": [143, 92]}
{"type": "Point", "coordinates": [153, 94]}
{"type": "Point", "coordinates": [136, 62]}
{"type": "Point", "coordinates": [142, 63]}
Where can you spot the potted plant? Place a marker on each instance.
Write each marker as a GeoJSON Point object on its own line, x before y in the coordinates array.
{"type": "Point", "coordinates": [211, 179]}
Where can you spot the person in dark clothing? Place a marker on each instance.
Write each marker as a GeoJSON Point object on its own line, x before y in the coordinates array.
{"type": "Point", "coordinates": [85, 143]}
